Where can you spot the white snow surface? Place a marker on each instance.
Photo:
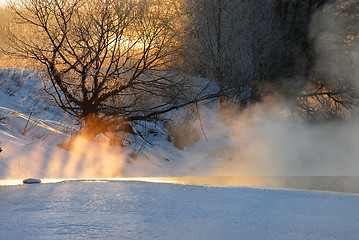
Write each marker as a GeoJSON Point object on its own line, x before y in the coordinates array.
{"type": "Point", "coordinates": [139, 210]}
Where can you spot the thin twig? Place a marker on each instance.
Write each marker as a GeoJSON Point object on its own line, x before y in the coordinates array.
{"type": "Point", "coordinates": [27, 123]}
{"type": "Point", "coordinates": [200, 121]}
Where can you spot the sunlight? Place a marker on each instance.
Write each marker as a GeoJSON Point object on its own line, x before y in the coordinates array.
{"type": "Point", "coordinates": [341, 184]}
{"type": "Point", "coordinates": [208, 181]}
{"type": "Point", "coordinates": [216, 181]}
{"type": "Point", "coordinates": [15, 182]}
{"type": "Point", "coordinates": [10, 182]}
{"type": "Point", "coordinates": [79, 159]}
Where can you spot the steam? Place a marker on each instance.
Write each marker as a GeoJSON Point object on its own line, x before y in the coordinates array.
{"type": "Point", "coordinates": [83, 159]}
{"type": "Point", "coordinates": [261, 141]}
{"type": "Point", "coordinates": [334, 30]}
{"type": "Point", "coordinates": [264, 141]}
{"type": "Point", "coordinates": [277, 146]}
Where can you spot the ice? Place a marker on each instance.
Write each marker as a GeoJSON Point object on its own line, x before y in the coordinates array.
{"type": "Point", "coordinates": [138, 210]}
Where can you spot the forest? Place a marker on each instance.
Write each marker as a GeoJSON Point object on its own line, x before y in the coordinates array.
{"type": "Point", "coordinates": [115, 65]}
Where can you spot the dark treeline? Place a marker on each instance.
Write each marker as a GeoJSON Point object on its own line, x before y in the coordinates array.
{"type": "Point", "coordinates": [257, 48]}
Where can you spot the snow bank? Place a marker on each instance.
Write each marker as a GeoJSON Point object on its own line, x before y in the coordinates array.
{"type": "Point", "coordinates": [262, 141]}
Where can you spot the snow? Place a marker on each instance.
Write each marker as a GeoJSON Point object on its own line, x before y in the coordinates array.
{"type": "Point", "coordinates": [138, 210]}
{"type": "Point", "coordinates": [260, 142]}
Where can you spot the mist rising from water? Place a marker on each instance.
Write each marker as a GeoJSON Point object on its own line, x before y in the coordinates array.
{"type": "Point", "coordinates": [265, 142]}
{"type": "Point", "coordinates": [261, 141]}
{"type": "Point", "coordinates": [83, 159]}
{"type": "Point", "coordinates": [270, 145]}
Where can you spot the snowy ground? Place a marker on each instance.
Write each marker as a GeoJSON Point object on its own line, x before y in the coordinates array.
{"type": "Point", "coordinates": [262, 141]}
{"type": "Point", "coordinates": [31, 130]}
{"type": "Point", "coordinates": [138, 210]}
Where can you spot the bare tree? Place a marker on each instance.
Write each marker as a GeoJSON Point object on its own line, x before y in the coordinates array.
{"type": "Point", "coordinates": [258, 48]}
{"type": "Point", "coordinates": [244, 44]}
{"type": "Point", "coordinates": [214, 36]}
{"type": "Point", "coordinates": [106, 60]}
{"type": "Point", "coordinates": [331, 88]}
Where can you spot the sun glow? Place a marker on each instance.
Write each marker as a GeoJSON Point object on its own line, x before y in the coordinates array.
{"type": "Point", "coordinates": [15, 182]}
{"type": "Point", "coordinates": [203, 180]}
{"type": "Point", "coordinates": [342, 184]}
{"type": "Point", "coordinates": [81, 158]}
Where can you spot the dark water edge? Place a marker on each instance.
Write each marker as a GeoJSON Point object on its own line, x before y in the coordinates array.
{"type": "Point", "coordinates": [342, 184]}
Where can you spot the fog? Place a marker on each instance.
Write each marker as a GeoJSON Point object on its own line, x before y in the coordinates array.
{"type": "Point", "coordinates": [263, 144]}
{"type": "Point", "coordinates": [263, 140]}
{"type": "Point", "coordinates": [267, 140]}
